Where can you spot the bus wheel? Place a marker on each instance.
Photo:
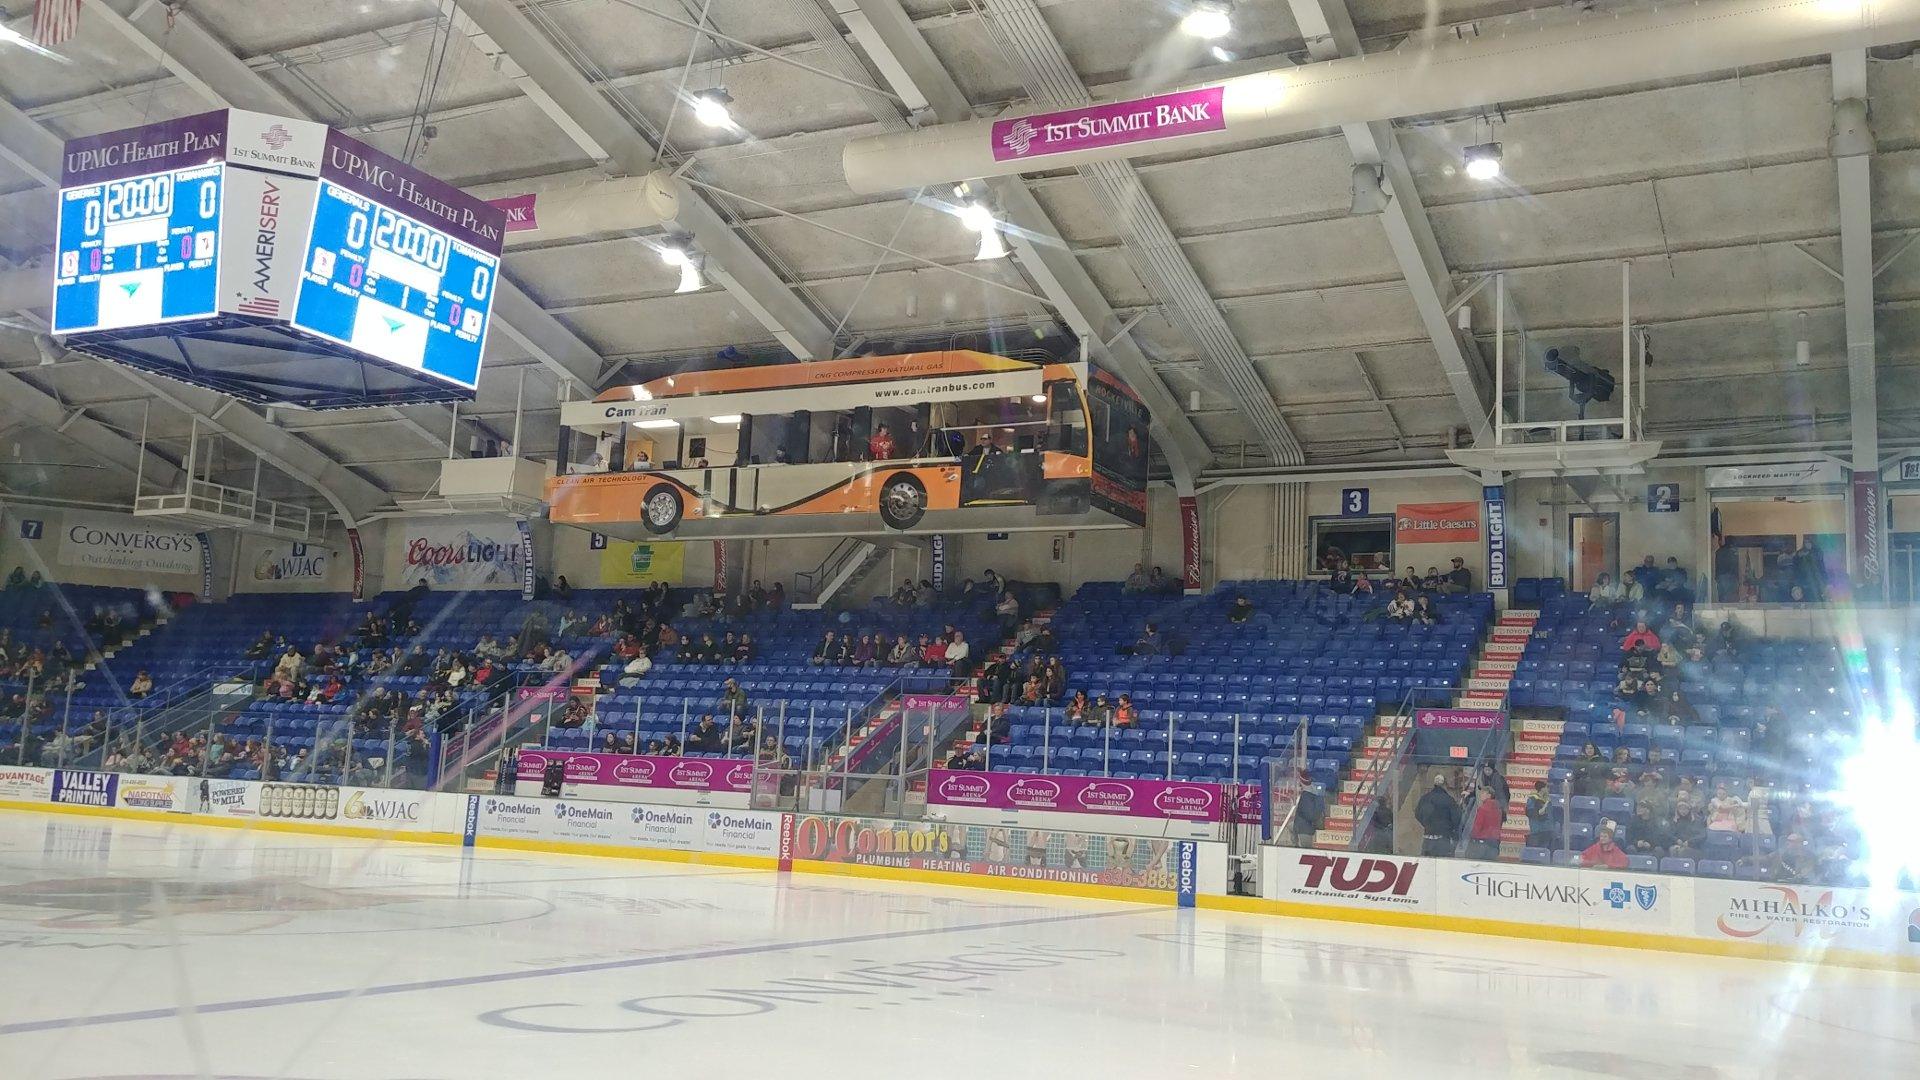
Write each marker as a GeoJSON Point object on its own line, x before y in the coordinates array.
{"type": "Point", "coordinates": [660, 511]}
{"type": "Point", "coordinates": [903, 501]}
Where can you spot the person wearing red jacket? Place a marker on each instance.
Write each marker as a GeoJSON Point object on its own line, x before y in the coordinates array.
{"type": "Point", "coordinates": [1489, 817]}
{"type": "Point", "coordinates": [1604, 852]}
{"type": "Point", "coordinates": [1641, 638]}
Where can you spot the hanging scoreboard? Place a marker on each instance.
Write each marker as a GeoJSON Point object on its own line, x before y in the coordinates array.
{"type": "Point", "coordinates": [273, 259]}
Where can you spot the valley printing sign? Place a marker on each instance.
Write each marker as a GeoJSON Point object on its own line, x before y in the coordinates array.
{"type": "Point", "coordinates": [120, 542]}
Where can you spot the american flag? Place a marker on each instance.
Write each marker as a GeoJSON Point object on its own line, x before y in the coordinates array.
{"type": "Point", "coordinates": [54, 21]}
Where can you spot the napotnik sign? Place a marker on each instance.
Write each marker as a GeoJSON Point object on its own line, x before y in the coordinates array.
{"type": "Point", "coordinates": [1117, 123]}
{"type": "Point", "coordinates": [1175, 800]}
{"type": "Point", "coordinates": [641, 771]}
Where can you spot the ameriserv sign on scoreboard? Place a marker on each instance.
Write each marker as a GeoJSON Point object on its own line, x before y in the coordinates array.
{"type": "Point", "coordinates": [269, 249]}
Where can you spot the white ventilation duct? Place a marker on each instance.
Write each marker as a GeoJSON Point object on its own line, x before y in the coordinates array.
{"type": "Point", "coordinates": [1595, 52]}
{"type": "Point", "coordinates": [615, 207]}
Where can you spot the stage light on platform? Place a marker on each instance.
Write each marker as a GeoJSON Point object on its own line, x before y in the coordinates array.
{"type": "Point", "coordinates": [1039, 399]}
{"type": "Point", "coordinates": [655, 425]}
{"type": "Point", "coordinates": [714, 107]}
{"type": "Point", "coordinates": [1483, 161]}
{"type": "Point", "coordinates": [1209, 20]}
{"type": "Point", "coordinates": [729, 418]}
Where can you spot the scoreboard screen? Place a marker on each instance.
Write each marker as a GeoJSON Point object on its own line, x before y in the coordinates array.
{"type": "Point", "coordinates": [389, 285]}
{"type": "Point", "coordinates": [139, 250]}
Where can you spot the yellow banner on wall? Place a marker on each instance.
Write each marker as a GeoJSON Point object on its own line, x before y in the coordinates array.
{"type": "Point", "coordinates": [623, 562]}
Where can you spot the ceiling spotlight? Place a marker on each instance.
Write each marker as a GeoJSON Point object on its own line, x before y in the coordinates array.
{"type": "Point", "coordinates": [679, 253]}
{"type": "Point", "coordinates": [1039, 399]}
{"type": "Point", "coordinates": [976, 216]}
{"type": "Point", "coordinates": [656, 425]}
{"type": "Point", "coordinates": [1208, 20]}
{"type": "Point", "coordinates": [713, 107]}
{"type": "Point", "coordinates": [1483, 161]}
{"type": "Point", "coordinates": [728, 418]}
{"type": "Point", "coordinates": [1369, 197]}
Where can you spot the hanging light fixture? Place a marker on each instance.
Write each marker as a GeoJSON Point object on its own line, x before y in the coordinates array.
{"type": "Point", "coordinates": [975, 215]}
{"type": "Point", "coordinates": [1483, 161]}
{"type": "Point", "coordinates": [1208, 20]}
{"type": "Point", "coordinates": [713, 107]}
{"type": "Point", "coordinates": [676, 252]}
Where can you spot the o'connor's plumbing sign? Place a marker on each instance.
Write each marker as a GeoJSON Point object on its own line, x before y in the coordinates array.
{"type": "Point", "coordinates": [119, 542]}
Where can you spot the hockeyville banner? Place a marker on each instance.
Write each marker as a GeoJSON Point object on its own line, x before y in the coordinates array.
{"type": "Point", "coordinates": [640, 771]}
{"type": "Point", "coordinates": [1437, 523]}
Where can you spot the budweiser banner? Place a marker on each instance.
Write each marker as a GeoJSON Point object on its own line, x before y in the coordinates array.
{"type": "Point", "coordinates": [1190, 542]}
{"type": "Point", "coordinates": [1437, 523]}
{"type": "Point", "coordinates": [1868, 536]}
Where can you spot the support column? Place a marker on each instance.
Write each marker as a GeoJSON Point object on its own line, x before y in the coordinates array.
{"type": "Point", "coordinates": [1852, 147]}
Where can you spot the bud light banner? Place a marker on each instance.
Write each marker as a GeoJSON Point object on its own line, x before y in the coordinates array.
{"type": "Point", "coordinates": [1165, 800]}
{"type": "Point", "coordinates": [455, 554]}
{"type": "Point", "coordinates": [526, 559]}
{"type": "Point", "coordinates": [612, 772]}
{"type": "Point", "coordinates": [1496, 511]}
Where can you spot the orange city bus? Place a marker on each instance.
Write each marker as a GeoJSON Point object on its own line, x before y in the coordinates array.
{"type": "Point", "coordinates": [896, 441]}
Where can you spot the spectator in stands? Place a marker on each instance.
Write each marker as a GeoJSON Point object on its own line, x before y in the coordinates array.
{"type": "Point", "coordinates": [1539, 820]}
{"type": "Point", "coordinates": [1646, 576]}
{"type": "Point", "coordinates": [733, 698]}
{"type": "Point", "coordinates": [933, 652]}
{"type": "Point", "coordinates": [1424, 612]}
{"type": "Point", "coordinates": [1241, 610]}
{"type": "Point", "coordinates": [1124, 714]}
{"type": "Point", "coordinates": [1432, 582]}
{"type": "Point", "coordinates": [1158, 582]}
{"type": "Point", "coordinates": [557, 661]}
{"type": "Point", "coordinates": [880, 445]}
{"type": "Point", "coordinates": [1410, 581]}
{"type": "Point", "coordinates": [707, 737]}
{"type": "Point", "coordinates": [1400, 608]}
{"type": "Point", "coordinates": [958, 655]}
{"type": "Point", "coordinates": [1079, 709]}
{"type": "Point", "coordinates": [1677, 710]}
{"type": "Point", "coordinates": [1675, 585]}
{"type": "Point", "coordinates": [1439, 815]}
{"type": "Point", "coordinates": [1459, 580]}
{"type": "Point", "coordinates": [1148, 643]}
{"type": "Point", "coordinates": [863, 652]}
{"type": "Point", "coordinates": [1007, 609]}
{"type": "Point", "coordinates": [1725, 811]}
{"type": "Point", "coordinates": [1795, 864]}
{"type": "Point", "coordinates": [563, 592]}
{"type": "Point", "coordinates": [901, 654]}
{"type": "Point", "coordinates": [1362, 585]}
{"type": "Point", "coordinates": [141, 686]}
{"type": "Point", "coordinates": [828, 651]}
{"type": "Point", "coordinates": [1053, 679]}
{"type": "Point", "coordinates": [707, 651]}
{"type": "Point", "coordinates": [1590, 771]}
{"type": "Point", "coordinates": [924, 595]}
{"type": "Point", "coordinates": [743, 649]}
{"type": "Point", "coordinates": [17, 580]}
{"type": "Point", "coordinates": [636, 668]}
{"type": "Point", "coordinates": [1136, 581]}
{"type": "Point", "coordinates": [1604, 851]}
{"type": "Point", "coordinates": [1605, 592]}
{"type": "Point", "coordinates": [1489, 817]}
{"type": "Point", "coordinates": [1641, 639]}
{"type": "Point", "coordinates": [1490, 777]}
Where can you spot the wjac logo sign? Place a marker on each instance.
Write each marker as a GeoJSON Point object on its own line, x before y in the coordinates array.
{"type": "Point", "coordinates": [1618, 896]}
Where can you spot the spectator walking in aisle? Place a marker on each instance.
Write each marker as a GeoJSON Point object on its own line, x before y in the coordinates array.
{"type": "Point", "coordinates": [1438, 813]}
{"type": "Point", "coordinates": [1540, 824]}
{"type": "Point", "coordinates": [1489, 817]}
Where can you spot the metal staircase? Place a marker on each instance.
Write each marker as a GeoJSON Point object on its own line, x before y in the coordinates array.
{"type": "Point", "coordinates": [849, 561]}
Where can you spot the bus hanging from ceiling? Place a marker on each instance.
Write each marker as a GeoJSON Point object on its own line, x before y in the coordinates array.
{"type": "Point", "coordinates": [925, 442]}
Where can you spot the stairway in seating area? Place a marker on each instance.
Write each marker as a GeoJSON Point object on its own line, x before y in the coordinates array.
{"type": "Point", "coordinates": [1361, 781]}
{"type": "Point", "coordinates": [1534, 741]}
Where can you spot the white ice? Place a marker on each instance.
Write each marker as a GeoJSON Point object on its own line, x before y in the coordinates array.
{"type": "Point", "coordinates": [133, 949]}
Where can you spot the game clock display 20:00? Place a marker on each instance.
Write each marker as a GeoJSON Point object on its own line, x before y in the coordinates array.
{"type": "Point", "coordinates": [137, 251]}
{"type": "Point", "coordinates": [394, 287]}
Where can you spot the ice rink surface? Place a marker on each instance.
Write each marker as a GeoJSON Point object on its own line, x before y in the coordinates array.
{"type": "Point", "coordinates": [132, 949]}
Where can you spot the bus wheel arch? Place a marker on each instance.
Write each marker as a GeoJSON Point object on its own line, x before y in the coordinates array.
{"type": "Point", "coordinates": [661, 509]}
{"type": "Point", "coordinates": [903, 501]}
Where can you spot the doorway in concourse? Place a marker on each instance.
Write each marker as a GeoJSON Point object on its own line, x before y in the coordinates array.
{"type": "Point", "coordinates": [1593, 548]}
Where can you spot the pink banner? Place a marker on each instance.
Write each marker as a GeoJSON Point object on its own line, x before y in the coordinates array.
{"type": "Point", "coordinates": [1116, 123]}
{"type": "Point", "coordinates": [937, 702]}
{"type": "Point", "coordinates": [641, 771]}
{"type": "Point", "coordinates": [556, 694]}
{"type": "Point", "coordinates": [1175, 800]}
{"type": "Point", "coordinates": [1472, 719]}
{"type": "Point", "coordinates": [521, 216]}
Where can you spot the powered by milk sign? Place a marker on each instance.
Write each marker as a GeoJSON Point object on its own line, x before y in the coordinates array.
{"type": "Point", "coordinates": [82, 788]}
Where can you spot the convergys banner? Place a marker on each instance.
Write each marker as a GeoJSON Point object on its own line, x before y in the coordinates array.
{"type": "Point", "coordinates": [474, 553]}
{"type": "Point", "coordinates": [122, 542]}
